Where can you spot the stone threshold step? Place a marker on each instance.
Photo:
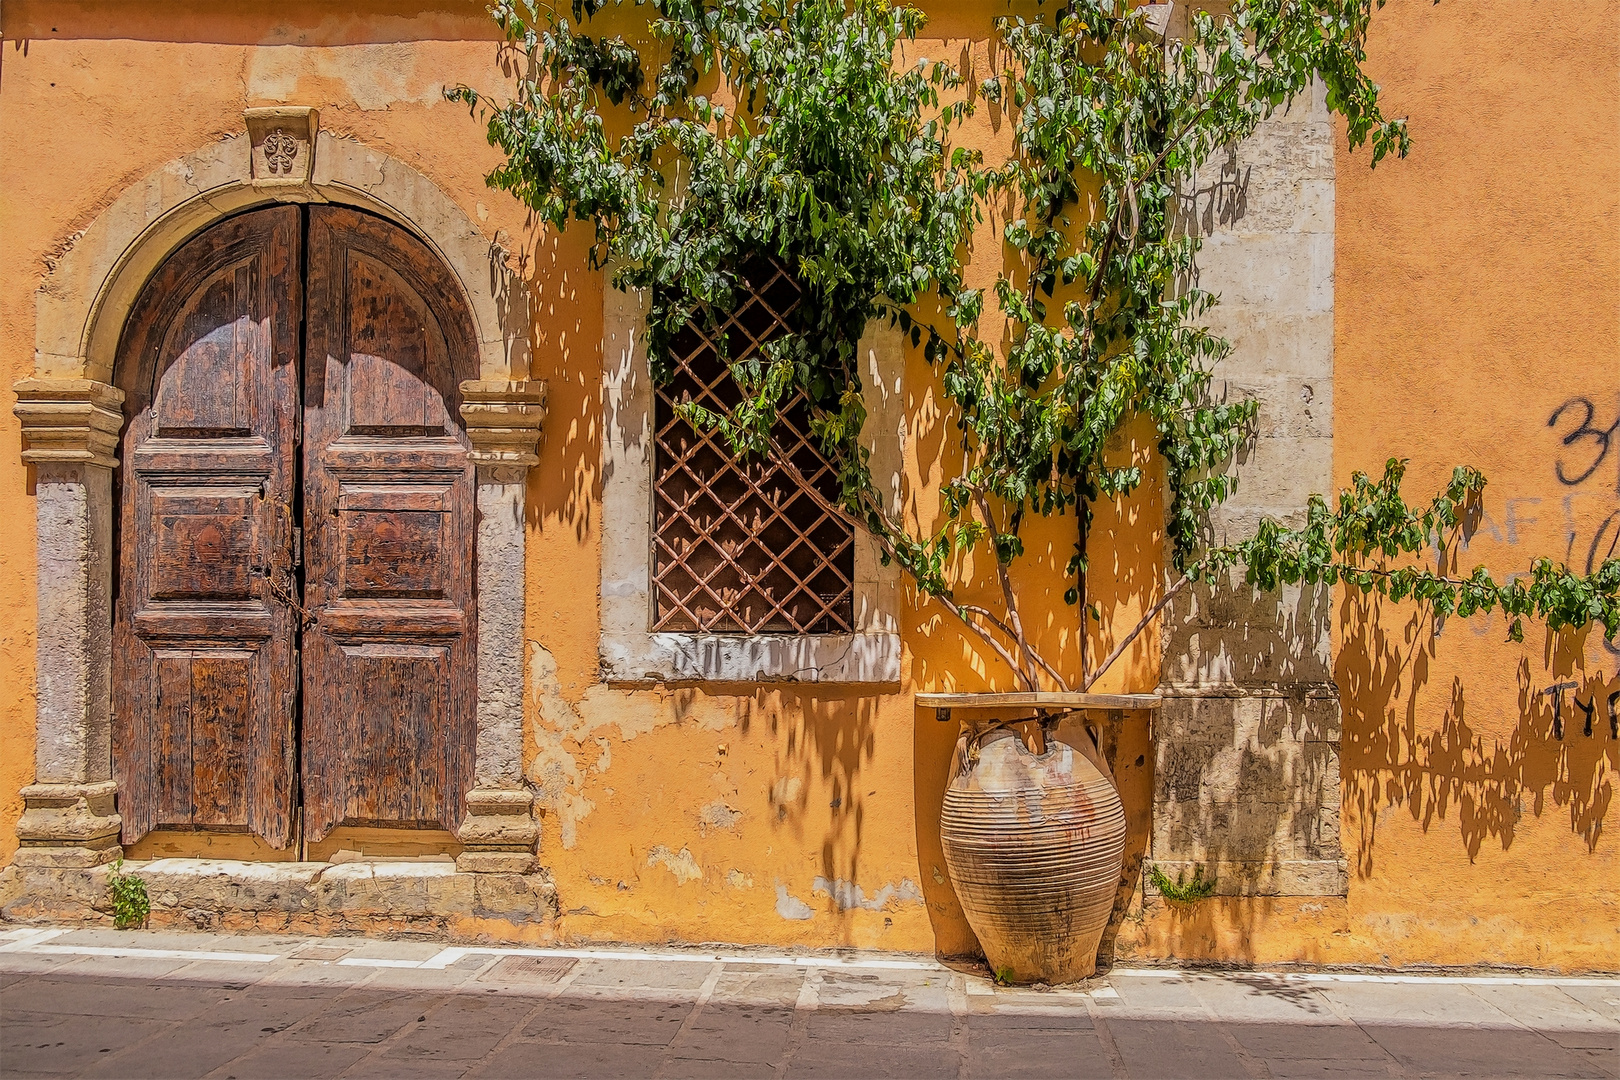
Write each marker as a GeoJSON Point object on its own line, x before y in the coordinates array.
{"type": "Point", "coordinates": [414, 897]}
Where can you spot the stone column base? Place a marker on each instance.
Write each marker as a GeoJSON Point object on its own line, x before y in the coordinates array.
{"type": "Point", "coordinates": [500, 832]}
{"type": "Point", "coordinates": [68, 825]}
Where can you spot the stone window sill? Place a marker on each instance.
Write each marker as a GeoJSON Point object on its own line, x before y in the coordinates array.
{"type": "Point", "coordinates": [861, 658]}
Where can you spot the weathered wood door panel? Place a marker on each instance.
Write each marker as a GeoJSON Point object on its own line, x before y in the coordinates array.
{"type": "Point", "coordinates": [205, 668]}
{"type": "Point", "coordinates": [389, 680]}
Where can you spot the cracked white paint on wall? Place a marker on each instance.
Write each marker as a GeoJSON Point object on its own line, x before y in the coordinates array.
{"type": "Point", "coordinates": [789, 906]}
{"type": "Point", "coordinates": [718, 815]}
{"type": "Point", "coordinates": [377, 75]}
{"type": "Point", "coordinates": [847, 894]}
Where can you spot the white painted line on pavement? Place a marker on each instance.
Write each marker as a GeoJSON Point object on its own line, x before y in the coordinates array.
{"type": "Point", "coordinates": [23, 939]}
{"type": "Point", "coordinates": [159, 954]}
{"type": "Point", "coordinates": [451, 955]}
{"type": "Point", "coordinates": [376, 962]}
{"type": "Point", "coordinates": [1351, 977]}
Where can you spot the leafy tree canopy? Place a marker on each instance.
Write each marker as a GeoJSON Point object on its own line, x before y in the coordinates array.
{"type": "Point", "coordinates": [692, 136]}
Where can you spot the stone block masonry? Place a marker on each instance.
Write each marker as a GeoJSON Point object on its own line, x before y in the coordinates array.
{"type": "Point", "coordinates": [1246, 782]}
{"type": "Point", "coordinates": [377, 898]}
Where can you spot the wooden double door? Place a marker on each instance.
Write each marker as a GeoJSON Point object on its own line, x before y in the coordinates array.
{"type": "Point", "coordinates": [294, 633]}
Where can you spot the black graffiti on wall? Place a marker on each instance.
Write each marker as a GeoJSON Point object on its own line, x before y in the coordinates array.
{"type": "Point", "coordinates": [1589, 447]}
{"type": "Point", "coordinates": [1587, 708]}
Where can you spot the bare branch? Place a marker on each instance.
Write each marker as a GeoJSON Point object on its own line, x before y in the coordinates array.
{"type": "Point", "coordinates": [950, 605]}
{"type": "Point", "coordinates": [1142, 624]}
{"type": "Point", "coordinates": [974, 609]}
{"type": "Point", "coordinates": [1028, 674]}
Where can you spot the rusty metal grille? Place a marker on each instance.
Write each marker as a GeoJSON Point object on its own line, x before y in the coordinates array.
{"type": "Point", "coordinates": [741, 547]}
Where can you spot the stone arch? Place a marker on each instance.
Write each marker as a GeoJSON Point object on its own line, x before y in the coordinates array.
{"type": "Point", "coordinates": [81, 306]}
{"type": "Point", "coordinates": [72, 416]}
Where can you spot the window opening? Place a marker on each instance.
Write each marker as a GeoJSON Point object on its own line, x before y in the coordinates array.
{"type": "Point", "coordinates": [740, 547]}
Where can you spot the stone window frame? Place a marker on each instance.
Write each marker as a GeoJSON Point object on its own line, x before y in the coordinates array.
{"type": "Point", "coordinates": [71, 417]}
{"type": "Point", "coordinates": [630, 651]}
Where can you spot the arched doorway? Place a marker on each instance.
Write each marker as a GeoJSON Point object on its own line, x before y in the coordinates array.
{"type": "Point", "coordinates": [295, 622]}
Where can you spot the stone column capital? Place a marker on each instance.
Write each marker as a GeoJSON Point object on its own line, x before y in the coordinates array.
{"type": "Point", "coordinates": [503, 420]}
{"type": "Point", "coordinates": [74, 421]}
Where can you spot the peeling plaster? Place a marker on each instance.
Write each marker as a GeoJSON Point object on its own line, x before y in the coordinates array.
{"type": "Point", "coordinates": [680, 863]}
{"type": "Point", "coordinates": [376, 74]}
{"type": "Point", "coordinates": [847, 894]}
{"type": "Point", "coordinates": [644, 711]}
{"type": "Point", "coordinates": [718, 815]}
{"type": "Point", "coordinates": [554, 771]}
{"type": "Point", "coordinates": [739, 880]}
{"type": "Point", "coordinates": [789, 906]}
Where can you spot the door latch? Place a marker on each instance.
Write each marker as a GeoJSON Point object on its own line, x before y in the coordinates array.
{"type": "Point", "coordinates": [297, 547]}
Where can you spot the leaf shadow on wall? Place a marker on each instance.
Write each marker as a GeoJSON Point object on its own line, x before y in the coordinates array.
{"type": "Point", "coordinates": [1247, 775]}
{"type": "Point", "coordinates": [1481, 780]}
{"type": "Point", "coordinates": [824, 742]}
{"type": "Point", "coordinates": [563, 308]}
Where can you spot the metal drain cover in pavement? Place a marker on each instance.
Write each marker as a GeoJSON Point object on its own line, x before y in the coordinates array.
{"type": "Point", "coordinates": [320, 952]}
{"type": "Point", "coordinates": [531, 969]}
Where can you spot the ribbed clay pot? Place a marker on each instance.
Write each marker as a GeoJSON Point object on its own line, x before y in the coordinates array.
{"type": "Point", "coordinates": [1034, 844]}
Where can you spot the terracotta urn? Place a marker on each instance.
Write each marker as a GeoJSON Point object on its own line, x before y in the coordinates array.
{"type": "Point", "coordinates": [1034, 843]}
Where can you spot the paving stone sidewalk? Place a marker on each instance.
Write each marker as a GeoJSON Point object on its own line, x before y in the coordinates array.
{"type": "Point", "coordinates": [147, 1004]}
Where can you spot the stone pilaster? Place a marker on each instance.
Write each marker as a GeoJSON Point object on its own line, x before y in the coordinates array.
{"type": "Point", "coordinates": [70, 431]}
{"type": "Point", "coordinates": [1247, 772]}
{"type": "Point", "coordinates": [503, 423]}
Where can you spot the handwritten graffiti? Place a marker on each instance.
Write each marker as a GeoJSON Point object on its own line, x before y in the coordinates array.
{"type": "Point", "coordinates": [1587, 708]}
{"type": "Point", "coordinates": [1591, 446]}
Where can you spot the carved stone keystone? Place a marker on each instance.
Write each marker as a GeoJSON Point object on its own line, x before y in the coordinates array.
{"type": "Point", "coordinates": [282, 141]}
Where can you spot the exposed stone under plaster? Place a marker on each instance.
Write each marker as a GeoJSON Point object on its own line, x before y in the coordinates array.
{"type": "Point", "coordinates": [1246, 781]}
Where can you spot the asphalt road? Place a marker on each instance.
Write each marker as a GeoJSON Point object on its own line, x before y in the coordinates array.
{"type": "Point", "coordinates": [96, 1003]}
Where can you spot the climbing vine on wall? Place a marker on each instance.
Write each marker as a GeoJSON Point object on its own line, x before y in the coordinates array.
{"type": "Point", "coordinates": [690, 136]}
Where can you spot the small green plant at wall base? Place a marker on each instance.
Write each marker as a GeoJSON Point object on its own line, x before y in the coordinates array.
{"type": "Point", "coordinates": [1180, 891]}
{"type": "Point", "coordinates": [129, 901]}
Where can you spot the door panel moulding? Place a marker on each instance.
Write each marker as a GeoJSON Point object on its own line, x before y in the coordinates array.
{"type": "Point", "coordinates": [72, 416]}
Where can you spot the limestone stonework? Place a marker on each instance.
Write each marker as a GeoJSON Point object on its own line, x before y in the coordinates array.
{"type": "Point", "coordinates": [503, 420]}
{"type": "Point", "coordinates": [424, 898]}
{"type": "Point", "coordinates": [70, 432]}
{"type": "Point", "coordinates": [1246, 782]}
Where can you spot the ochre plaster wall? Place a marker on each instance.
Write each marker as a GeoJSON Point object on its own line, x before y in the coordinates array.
{"type": "Point", "coordinates": [1477, 292]}
{"type": "Point", "coordinates": [738, 813]}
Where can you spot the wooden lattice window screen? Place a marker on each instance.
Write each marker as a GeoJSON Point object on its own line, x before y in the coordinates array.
{"type": "Point", "coordinates": [740, 547]}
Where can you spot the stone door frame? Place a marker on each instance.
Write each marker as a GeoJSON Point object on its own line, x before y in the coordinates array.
{"type": "Point", "coordinates": [72, 416]}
